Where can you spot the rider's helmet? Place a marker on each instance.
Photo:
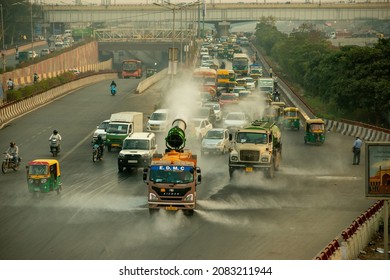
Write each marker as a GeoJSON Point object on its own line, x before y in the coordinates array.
{"type": "Point", "coordinates": [55, 132]}
{"type": "Point", "coordinates": [12, 144]}
{"type": "Point", "coordinates": [99, 137]}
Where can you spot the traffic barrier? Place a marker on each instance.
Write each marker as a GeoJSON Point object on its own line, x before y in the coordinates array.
{"type": "Point", "coordinates": [355, 237]}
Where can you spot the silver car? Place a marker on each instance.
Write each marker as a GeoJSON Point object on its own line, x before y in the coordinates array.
{"type": "Point", "coordinates": [216, 141]}
{"type": "Point", "coordinates": [101, 130]}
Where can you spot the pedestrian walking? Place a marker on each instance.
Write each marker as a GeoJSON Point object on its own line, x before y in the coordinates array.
{"type": "Point", "coordinates": [357, 145]}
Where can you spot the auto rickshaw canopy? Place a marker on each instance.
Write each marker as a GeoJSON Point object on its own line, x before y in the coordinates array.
{"type": "Point", "coordinates": [45, 162]}
{"type": "Point", "coordinates": [315, 121]}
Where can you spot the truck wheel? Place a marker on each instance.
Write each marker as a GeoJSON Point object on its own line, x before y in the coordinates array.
{"type": "Point", "coordinates": [153, 211]}
{"type": "Point", "coordinates": [231, 174]}
{"type": "Point", "coordinates": [271, 170]}
{"type": "Point", "coordinates": [120, 168]}
{"type": "Point", "coordinates": [189, 212]}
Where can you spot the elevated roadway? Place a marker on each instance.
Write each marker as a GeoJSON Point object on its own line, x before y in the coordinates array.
{"type": "Point", "coordinates": [216, 12]}
{"type": "Point", "coordinates": [103, 214]}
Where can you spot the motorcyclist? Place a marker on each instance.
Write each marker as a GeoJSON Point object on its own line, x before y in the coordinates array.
{"type": "Point", "coordinates": [36, 77]}
{"type": "Point", "coordinates": [10, 84]}
{"type": "Point", "coordinates": [113, 84]}
{"type": "Point", "coordinates": [13, 150]}
{"type": "Point", "coordinates": [223, 65]}
{"type": "Point", "coordinates": [57, 136]}
{"type": "Point", "coordinates": [276, 95]}
{"type": "Point", "coordinates": [99, 140]}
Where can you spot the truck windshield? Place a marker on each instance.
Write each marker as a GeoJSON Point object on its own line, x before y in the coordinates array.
{"type": "Point", "coordinates": [172, 174]}
{"type": "Point", "coordinates": [255, 138]}
{"type": "Point", "coordinates": [117, 128]}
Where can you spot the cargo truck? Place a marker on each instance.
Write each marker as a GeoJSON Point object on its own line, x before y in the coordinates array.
{"type": "Point", "coordinates": [172, 177]}
{"type": "Point", "coordinates": [120, 126]}
{"type": "Point", "coordinates": [257, 147]}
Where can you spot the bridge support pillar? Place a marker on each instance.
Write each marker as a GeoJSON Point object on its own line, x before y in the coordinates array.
{"type": "Point", "coordinates": [223, 28]}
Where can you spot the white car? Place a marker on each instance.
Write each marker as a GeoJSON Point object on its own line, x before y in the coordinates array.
{"type": "Point", "coordinates": [216, 141]}
{"type": "Point", "coordinates": [235, 120]}
{"type": "Point", "coordinates": [101, 130]}
{"type": "Point", "coordinates": [158, 121]}
{"type": "Point", "coordinates": [250, 83]}
{"type": "Point", "coordinates": [217, 109]}
{"type": "Point", "coordinates": [200, 127]}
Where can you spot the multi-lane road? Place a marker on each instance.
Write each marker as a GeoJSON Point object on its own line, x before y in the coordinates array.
{"type": "Point", "coordinates": [103, 214]}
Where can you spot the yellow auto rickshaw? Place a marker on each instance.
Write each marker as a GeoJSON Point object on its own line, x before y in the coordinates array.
{"type": "Point", "coordinates": [291, 118]}
{"type": "Point", "coordinates": [43, 176]}
{"type": "Point", "coordinates": [315, 131]}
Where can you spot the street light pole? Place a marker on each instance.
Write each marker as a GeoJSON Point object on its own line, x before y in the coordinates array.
{"type": "Point", "coordinates": [31, 22]}
{"type": "Point", "coordinates": [2, 25]}
{"type": "Point", "coordinates": [32, 27]}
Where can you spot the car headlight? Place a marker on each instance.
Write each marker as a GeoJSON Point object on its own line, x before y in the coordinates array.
{"type": "Point", "coordinates": [219, 144]}
{"type": "Point", "coordinates": [189, 197]}
{"type": "Point", "coordinates": [152, 197]}
{"type": "Point", "coordinates": [145, 155]}
{"type": "Point", "coordinates": [31, 181]}
{"type": "Point", "coordinates": [120, 155]}
{"type": "Point", "coordinates": [234, 158]}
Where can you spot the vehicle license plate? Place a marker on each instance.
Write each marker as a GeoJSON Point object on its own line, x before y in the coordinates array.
{"type": "Point", "coordinates": [132, 161]}
{"type": "Point", "coordinates": [37, 189]}
{"type": "Point", "coordinates": [171, 208]}
{"type": "Point", "coordinates": [248, 169]}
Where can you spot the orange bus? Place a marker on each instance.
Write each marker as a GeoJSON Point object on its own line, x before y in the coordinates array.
{"type": "Point", "coordinates": [206, 78]}
{"type": "Point", "coordinates": [131, 68]}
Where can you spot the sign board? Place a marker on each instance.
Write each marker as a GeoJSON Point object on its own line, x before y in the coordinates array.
{"type": "Point", "coordinates": [377, 170]}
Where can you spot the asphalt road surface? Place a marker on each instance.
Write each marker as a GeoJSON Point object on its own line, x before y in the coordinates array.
{"type": "Point", "coordinates": [102, 214]}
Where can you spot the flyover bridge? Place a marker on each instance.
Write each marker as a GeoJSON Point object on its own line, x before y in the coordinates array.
{"type": "Point", "coordinates": [151, 16]}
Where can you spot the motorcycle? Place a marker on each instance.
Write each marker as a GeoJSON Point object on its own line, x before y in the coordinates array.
{"type": "Point", "coordinates": [113, 90]}
{"type": "Point", "coordinates": [8, 163]}
{"type": "Point", "coordinates": [54, 146]}
{"type": "Point", "coordinates": [96, 152]}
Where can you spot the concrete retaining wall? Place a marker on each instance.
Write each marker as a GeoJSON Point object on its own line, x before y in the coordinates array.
{"type": "Point", "coordinates": [82, 57]}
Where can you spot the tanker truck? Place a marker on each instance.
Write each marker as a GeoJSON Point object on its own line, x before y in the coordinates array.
{"type": "Point", "coordinates": [172, 177]}
{"type": "Point", "coordinates": [257, 147]}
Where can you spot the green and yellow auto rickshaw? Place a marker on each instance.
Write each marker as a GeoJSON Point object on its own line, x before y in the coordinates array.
{"type": "Point", "coordinates": [315, 131]}
{"type": "Point", "coordinates": [291, 118]}
{"type": "Point", "coordinates": [43, 176]}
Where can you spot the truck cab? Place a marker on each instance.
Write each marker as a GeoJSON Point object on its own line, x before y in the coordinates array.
{"type": "Point", "coordinates": [120, 126]}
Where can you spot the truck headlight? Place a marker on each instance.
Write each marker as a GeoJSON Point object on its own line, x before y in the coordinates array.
{"type": "Point", "coordinates": [43, 180]}
{"type": "Point", "coordinates": [145, 156]}
{"type": "Point", "coordinates": [234, 158]}
{"type": "Point", "coordinates": [189, 197]}
{"type": "Point", "coordinates": [30, 181]}
{"type": "Point", "coordinates": [120, 155]}
{"type": "Point", "coordinates": [264, 159]}
{"type": "Point", "coordinates": [152, 197]}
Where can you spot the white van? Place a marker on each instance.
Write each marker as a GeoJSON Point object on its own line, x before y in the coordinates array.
{"type": "Point", "coordinates": [158, 121]}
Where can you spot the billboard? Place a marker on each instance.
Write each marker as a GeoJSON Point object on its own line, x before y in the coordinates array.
{"type": "Point", "coordinates": [378, 170]}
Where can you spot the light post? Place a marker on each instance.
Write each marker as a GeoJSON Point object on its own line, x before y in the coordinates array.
{"type": "Point", "coordinates": [31, 22]}
{"type": "Point", "coordinates": [2, 25]}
